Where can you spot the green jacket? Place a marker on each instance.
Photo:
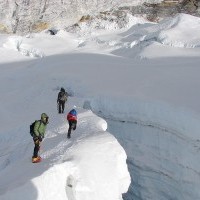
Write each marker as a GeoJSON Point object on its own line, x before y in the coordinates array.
{"type": "Point", "coordinates": [39, 128]}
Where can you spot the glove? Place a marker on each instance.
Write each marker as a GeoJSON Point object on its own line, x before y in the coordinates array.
{"type": "Point", "coordinates": [40, 138]}
{"type": "Point", "coordinates": [36, 140]}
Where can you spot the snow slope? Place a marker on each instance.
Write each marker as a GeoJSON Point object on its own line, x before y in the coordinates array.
{"type": "Point", "coordinates": [146, 90]}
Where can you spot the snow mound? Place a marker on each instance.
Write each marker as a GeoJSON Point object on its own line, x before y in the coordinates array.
{"type": "Point", "coordinates": [16, 43]}
{"type": "Point", "coordinates": [181, 31]}
{"type": "Point", "coordinates": [85, 183]}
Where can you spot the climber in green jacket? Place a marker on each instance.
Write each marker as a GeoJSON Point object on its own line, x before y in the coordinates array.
{"type": "Point", "coordinates": [38, 135]}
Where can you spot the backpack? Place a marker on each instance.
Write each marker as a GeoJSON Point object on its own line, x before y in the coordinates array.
{"type": "Point", "coordinates": [72, 115]}
{"type": "Point", "coordinates": [32, 128]}
{"type": "Point", "coordinates": [63, 96]}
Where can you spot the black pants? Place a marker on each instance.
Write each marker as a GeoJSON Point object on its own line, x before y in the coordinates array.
{"type": "Point", "coordinates": [72, 125]}
{"type": "Point", "coordinates": [61, 106]}
{"type": "Point", "coordinates": [36, 148]}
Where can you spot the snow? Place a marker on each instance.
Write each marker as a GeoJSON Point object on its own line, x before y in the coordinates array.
{"type": "Point", "coordinates": [136, 93]}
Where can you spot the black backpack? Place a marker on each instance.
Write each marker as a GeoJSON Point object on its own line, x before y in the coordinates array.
{"type": "Point", "coordinates": [62, 96]}
{"type": "Point", "coordinates": [32, 128]}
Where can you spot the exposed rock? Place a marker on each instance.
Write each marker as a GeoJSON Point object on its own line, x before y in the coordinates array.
{"type": "Point", "coordinates": [25, 16]}
{"type": "Point", "coordinates": [190, 6]}
{"type": "Point", "coordinates": [3, 29]}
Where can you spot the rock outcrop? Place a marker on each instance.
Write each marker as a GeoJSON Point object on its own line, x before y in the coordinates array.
{"type": "Point", "coordinates": [25, 16]}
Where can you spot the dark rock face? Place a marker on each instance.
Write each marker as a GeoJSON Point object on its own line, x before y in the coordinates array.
{"type": "Point", "coordinates": [190, 6]}
{"type": "Point", "coordinates": [155, 12]}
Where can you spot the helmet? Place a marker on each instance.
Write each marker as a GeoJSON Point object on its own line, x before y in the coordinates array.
{"type": "Point", "coordinates": [44, 118]}
{"type": "Point", "coordinates": [73, 112]}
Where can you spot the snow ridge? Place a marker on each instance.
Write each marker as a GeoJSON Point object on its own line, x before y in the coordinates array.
{"type": "Point", "coordinates": [70, 165]}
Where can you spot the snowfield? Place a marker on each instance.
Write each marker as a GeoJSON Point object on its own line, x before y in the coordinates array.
{"type": "Point", "coordinates": [136, 91]}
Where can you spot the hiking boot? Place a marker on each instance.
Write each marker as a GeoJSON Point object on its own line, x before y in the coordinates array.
{"type": "Point", "coordinates": [36, 160]}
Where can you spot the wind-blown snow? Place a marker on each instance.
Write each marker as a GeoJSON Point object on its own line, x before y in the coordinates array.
{"type": "Point", "coordinates": [141, 83]}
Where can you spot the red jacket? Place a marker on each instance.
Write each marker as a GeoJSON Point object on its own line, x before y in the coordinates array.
{"type": "Point", "coordinates": [71, 117]}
